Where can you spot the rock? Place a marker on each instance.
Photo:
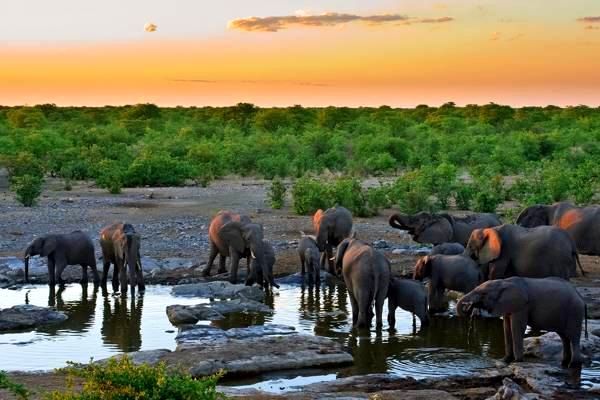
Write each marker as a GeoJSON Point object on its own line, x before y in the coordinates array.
{"type": "Point", "coordinates": [28, 316]}
{"type": "Point", "coordinates": [511, 391]}
{"type": "Point", "coordinates": [243, 352]}
{"type": "Point", "coordinates": [541, 378]}
{"type": "Point", "coordinates": [549, 346]}
{"type": "Point", "coordinates": [202, 335]}
{"type": "Point", "coordinates": [219, 290]}
{"type": "Point", "coordinates": [398, 251]}
{"type": "Point", "coordinates": [380, 244]}
{"type": "Point", "coordinates": [215, 310]}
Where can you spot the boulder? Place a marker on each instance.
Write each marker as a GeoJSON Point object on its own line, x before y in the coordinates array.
{"type": "Point", "coordinates": [248, 351]}
{"type": "Point", "coordinates": [215, 310]}
{"type": "Point", "coordinates": [511, 391]}
{"type": "Point", "coordinates": [219, 290]}
{"type": "Point", "coordinates": [28, 316]}
{"type": "Point", "coordinates": [549, 346]}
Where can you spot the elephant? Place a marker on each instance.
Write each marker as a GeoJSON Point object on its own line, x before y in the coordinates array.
{"type": "Point", "coordinates": [309, 258]}
{"type": "Point", "coordinates": [511, 250]}
{"type": "Point", "coordinates": [366, 273]}
{"type": "Point", "coordinates": [264, 277]}
{"type": "Point", "coordinates": [453, 272]}
{"type": "Point", "coordinates": [410, 296]}
{"type": "Point", "coordinates": [236, 236]}
{"type": "Point", "coordinates": [431, 228]}
{"type": "Point", "coordinates": [582, 223]}
{"type": "Point", "coordinates": [75, 248]}
{"type": "Point", "coordinates": [550, 304]}
{"type": "Point", "coordinates": [447, 249]}
{"type": "Point", "coordinates": [120, 245]}
{"type": "Point", "coordinates": [331, 227]}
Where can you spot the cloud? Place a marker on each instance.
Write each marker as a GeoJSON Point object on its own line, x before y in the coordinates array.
{"type": "Point", "coordinates": [277, 23]}
{"type": "Point", "coordinates": [495, 36]}
{"type": "Point", "coordinates": [150, 27]}
{"type": "Point", "coordinates": [589, 20]}
{"type": "Point", "coordinates": [591, 28]}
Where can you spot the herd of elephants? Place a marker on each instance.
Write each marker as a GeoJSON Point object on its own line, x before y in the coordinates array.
{"type": "Point", "coordinates": [518, 271]}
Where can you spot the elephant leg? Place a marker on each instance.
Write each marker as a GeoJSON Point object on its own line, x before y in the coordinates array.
{"type": "Point", "coordinates": [576, 357]}
{"type": "Point", "coordinates": [365, 312]}
{"type": "Point", "coordinates": [95, 273]}
{"type": "Point", "coordinates": [84, 274]}
{"type": "Point", "coordinates": [132, 276]}
{"type": "Point", "coordinates": [518, 324]}
{"type": "Point", "coordinates": [105, 269]}
{"type": "Point", "coordinates": [211, 259]}
{"type": "Point", "coordinates": [140, 276]}
{"type": "Point", "coordinates": [303, 269]}
{"type": "Point", "coordinates": [222, 269]}
{"type": "Point", "coordinates": [60, 267]}
{"type": "Point", "coordinates": [51, 272]}
{"type": "Point", "coordinates": [391, 315]}
{"type": "Point", "coordinates": [566, 355]}
{"type": "Point", "coordinates": [508, 346]}
{"type": "Point", "coordinates": [123, 277]}
{"type": "Point", "coordinates": [115, 276]}
{"type": "Point", "coordinates": [355, 310]}
{"type": "Point", "coordinates": [379, 300]}
{"type": "Point", "coordinates": [235, 261]}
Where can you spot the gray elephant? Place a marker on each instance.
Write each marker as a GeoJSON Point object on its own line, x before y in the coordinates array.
{"type": "Point", "coordinates": [447, 249]}
{"type": "Point", "coordinates": [582, 223]}
{"type": "Point", "coordinates": [549, 304]}
{"type": "Point", "coordinates": [367, 274]}
{"type": "Point", "coordinates": [511, 250]}
{"type": "Point", "coordinates": [331, 227]}
{"type": "Point", "coordinates": [309, 258]}
{"type": "Point", "coordinates": [264, 277]}
{"type": "Point", "coordinates": [453, 272]}
{"type": "Point", "coordinates": [234, 235]}
{"type": "Point", "coordinates": [431, 228]}
{"type": "Point", "coordinates": [410, 296]}
{"type": "Point", "coordinates": [120, 245]}
{"type": "Point", "coordinates": [75, 248]}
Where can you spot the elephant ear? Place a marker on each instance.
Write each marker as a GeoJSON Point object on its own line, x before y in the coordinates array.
{"type": "Point", "coordinates": [422, 268]}
{"type": "Point", "coordinates": [231, 233]}
{"type": "Point", "coordinates": [533, 216]}
{"type": "Point", "coordinates": [491, 246]}
{"type": "Point", "coordinates": [317, 219]}
{"type": "Point", "coordinates": [510, 298]}
{"type": "Point", "coordinates": [438, 231]}
{"type": "Point", "coordinates": [49, 246]}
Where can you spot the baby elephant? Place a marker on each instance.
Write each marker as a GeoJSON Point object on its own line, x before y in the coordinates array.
{"type": "Point", "coordinates": [120, 245]}
{"type": "Point", "coordinates": [455, 272]}
{"type": "Point", "coordinates": [550, 304]}
{"type": "Point", "coordinates": [309, 258]}
{"type": "Point", "coordinates": [367, 274]}
{"type": "Point", "coordinates": [264, 276]}
{"type": "Point", "coordinates": [447, 249]}
{"type": "Point", "coordinates": [410, 296]}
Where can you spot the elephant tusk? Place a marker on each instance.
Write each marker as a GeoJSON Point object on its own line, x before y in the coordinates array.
{"type": "Point", "coordinates": [27, 257]}
{"type": "Point", "coordinates": [332, 258]}
{"type": "Point", "coordinates": [252, 254]}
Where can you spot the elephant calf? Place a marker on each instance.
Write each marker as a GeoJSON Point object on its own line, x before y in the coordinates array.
{"type": "Point", "coordinates": [367, 274]}
{"type": "Point", "coordinates": [410, 296]}
{"type": "Point", "coordinates": [447, 249]}
{"type": "Point", "coordinates": [263, 274]}
{"type": "Point", "coordinates": [309, 258]}
{"type": "Point", "coordinates": [550, 304]}
{"type": "Point", "coordinates": [75, 248]}
{"type": "Point", "coordinates": [455, 272]}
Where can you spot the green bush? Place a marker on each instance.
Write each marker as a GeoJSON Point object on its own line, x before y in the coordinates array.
{"type": "Point", "coordinates": [277, 194]}
{"type": "Point", "coordinates": [121, 379]}
{"type": "Point", "coordinates": [463, 195]}
{"type": "Point", "coordinates": [110, 176]}
{"type": "Point", "coordinates": [309, 195]}
{"type": "Point", "coordinates": [16, 389]}
{"type": "Point", "coordinates": [27, 189]}
{"type": "Point", "coordinates": [411, 192]}
{"type": "Point", "coordinates": [489, 193]}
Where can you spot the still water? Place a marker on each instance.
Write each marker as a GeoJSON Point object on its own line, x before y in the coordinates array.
{"type": "Point", "coordinates": [101, 325]}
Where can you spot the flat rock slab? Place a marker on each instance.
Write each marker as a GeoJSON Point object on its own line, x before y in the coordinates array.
{"type": "Point", "coordinates": [219, 290]}
{"type": "Point", "coordinates": [248, 351]}
{"type": "Point", "coordinates": [28, 316]}
{"type": "Point", "coordinates": [215, 310]}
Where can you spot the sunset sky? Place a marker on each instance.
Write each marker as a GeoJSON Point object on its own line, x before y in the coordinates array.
{"type": "Point", "coordinates": [314, 53]}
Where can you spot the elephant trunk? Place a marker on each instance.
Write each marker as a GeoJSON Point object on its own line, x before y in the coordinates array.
{"type": "Point", "coordinates": [400, 221]}
{"type": "Point", "coordinates": [465, 304]}
{"type": "Point", "coordinates": [26, 258]}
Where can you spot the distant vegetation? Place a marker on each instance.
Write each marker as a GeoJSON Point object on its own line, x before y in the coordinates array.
{"type": "Point", "coordinates": [554, 152]}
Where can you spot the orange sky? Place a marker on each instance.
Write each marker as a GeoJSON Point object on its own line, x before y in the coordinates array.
{"type": "Point", "coordinates": [466, 52]}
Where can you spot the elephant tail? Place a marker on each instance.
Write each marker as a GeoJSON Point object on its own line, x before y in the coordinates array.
{"type": "Point", "coordinates": [585, 315]}
{"type": "Point", "coordinates": [579, 263]}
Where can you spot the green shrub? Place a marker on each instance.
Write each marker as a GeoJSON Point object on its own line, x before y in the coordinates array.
{"type": "Point", "coordinates": [121, 379]}
{"type": "Point", "coordinates": [411, 192]}
{"type": "Point", "coordinates": [110, 176]}
{"type": "Point", "coordinates": [489, 193]}
{"type": "Point", "coordinates": [463, 195]}
{"type": "Point", "coordinates": [309, 195]}
{"type": "Point", "coordinates": [27, 189]}
{"type": "Point", "coordinates": [16, 389]}
{"type": "Point", "coordinates": [379, 197]}
{"type": "Point", "coordinates": [277, 194]}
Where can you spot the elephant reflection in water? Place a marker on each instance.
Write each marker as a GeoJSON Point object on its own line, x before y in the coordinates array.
{"type": "Point", "coordinates": [321, 304]}
{"type": "Point", "coordinates": [81, 312]}
{"type": "Point", "coordinates": [122, 326]}
{"type": "Point", "coordinates": [370, 354]}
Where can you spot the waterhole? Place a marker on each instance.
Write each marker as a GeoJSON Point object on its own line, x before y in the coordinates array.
{"type": "Point", "coordinates": [101, 325]}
